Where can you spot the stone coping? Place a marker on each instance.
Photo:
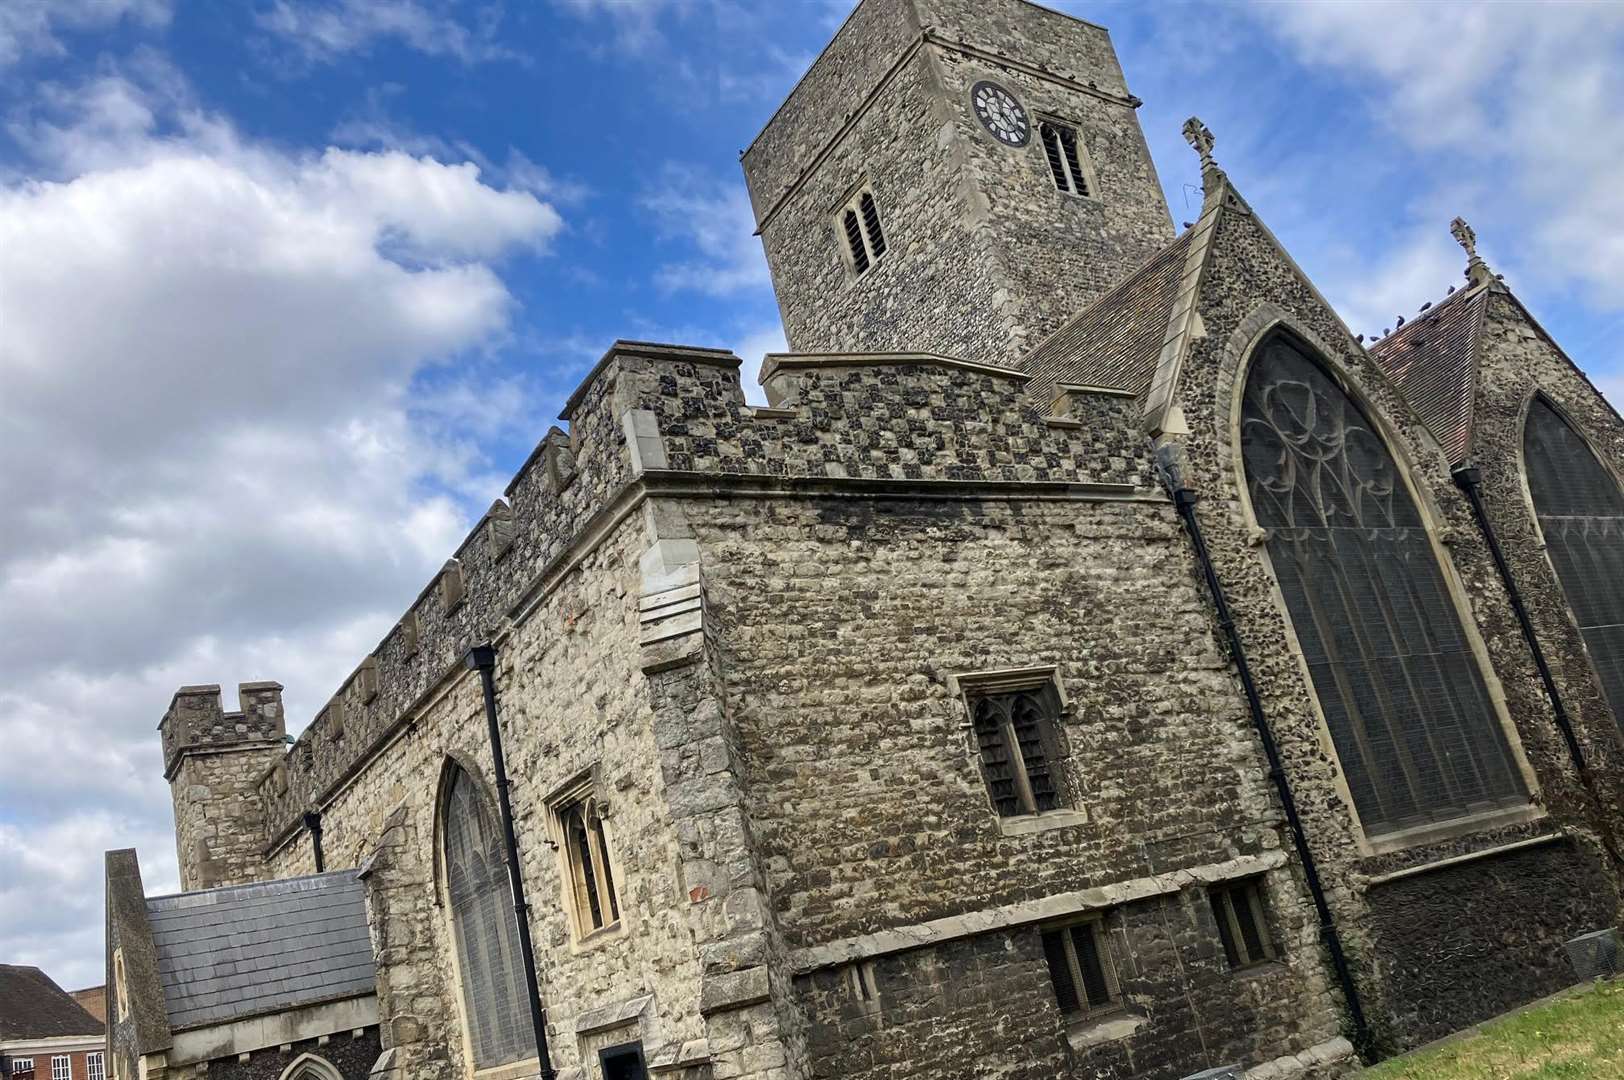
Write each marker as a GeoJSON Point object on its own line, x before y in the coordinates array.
{"type": "Point", "coordinates": [774, 363]}
{"type": "Point", "coordinates": [654, 350]}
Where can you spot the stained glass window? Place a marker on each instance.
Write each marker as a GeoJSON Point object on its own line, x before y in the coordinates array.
{"type": "Point", "coordinates": [1416, 734]}
{"type": "Point", "coordinates": [1581, 513]}
{"type": "Point", "coordinates": [486, 933]}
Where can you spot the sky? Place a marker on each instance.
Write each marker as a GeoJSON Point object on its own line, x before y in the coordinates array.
{"type": "Point", "coordinates": [290, 288]}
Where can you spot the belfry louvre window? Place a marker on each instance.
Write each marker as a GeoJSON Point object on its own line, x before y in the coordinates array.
{"type": "Point", "coordinates": [1242, 925]}
{"type": "Point", "coordinates": [1581, 514]}
{"type": "Point", "coordinates": [859, 226]}
{"type": "Point", "coordinates": [1417, 736]}
{"type": "Point", "coordinates": [1065, 165]}
{"type": "Point", "coordinates": [486, 933]}
{"type": "Point", "coordinates": [1015, 734]}
{"type": "Point", "coordinates": [1080, 967]}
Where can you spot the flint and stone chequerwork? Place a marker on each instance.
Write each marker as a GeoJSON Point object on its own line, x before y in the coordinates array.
{"type": "Point", "coordinates": [889, 729]}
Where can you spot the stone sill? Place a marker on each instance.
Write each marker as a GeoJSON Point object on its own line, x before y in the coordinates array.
{"type": "Point", "coordinates": [1421, 835]}
{"type": "Point", "coordinates": [1028, 824]}
{"type": "Point", "coordinates": [518, 1070]}
{"type": "Point", "coordinates": [1105, 1029]}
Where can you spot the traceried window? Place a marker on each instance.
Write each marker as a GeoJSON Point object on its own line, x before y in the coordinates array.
{"type": "Point", "coordinates": [1065, 163]}
{"type": "Point", "coordinates": [1417, 736]}
{"type": "Point", "coordinates": [1581, 514]}
{"type": "Point", "coordinates": [860, 228]}
{"type": "Point", "coordinates": [486, 933]}
{"type": "Point", "coordinates": [1081, 969]}
{"type": "Point", "coordinates": [589, 884]}
{"type": "Point", "coordinates": [1015, 734]}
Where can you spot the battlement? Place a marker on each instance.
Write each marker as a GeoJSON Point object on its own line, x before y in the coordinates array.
{"type": "Point", "coordinates": [195, 721]}
{"type": "Point", "coordinates": [654, 417]}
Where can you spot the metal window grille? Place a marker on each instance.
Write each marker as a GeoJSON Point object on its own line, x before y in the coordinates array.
{"type": "Point", "coordinates": [1015, 735]}
{"type": "Point", "coordinates": [1417, 736]}
{"type": "Point", "coordinates": [486, 933]}
{"type": "Point", "coordinates": [1081, 969]}
{"type": "Point", "coordinates": [61, 1067]}
{"type": "Point", "coordinates": [1060, 147]}
{"type": "Point", "coordinates": [1581, 514]}
{"type": "Point", "coordinates": [592, 880]}
{"type": "Point", "coordinates": [1243, 926]}
{"type": "Point", "coordinates": [95, 1067]}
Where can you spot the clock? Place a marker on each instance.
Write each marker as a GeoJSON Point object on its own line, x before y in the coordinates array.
{"type": "Point", "coordinates": [1000, 113]}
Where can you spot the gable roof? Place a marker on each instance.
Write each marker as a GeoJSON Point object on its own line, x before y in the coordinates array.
{"type": "Point", "coordinates": [34, 1007]}
{"type": "Point", "coordinates": [1433, 362]}
{"type": "Point", "coordinates": [225, 954]}
{"type": "Point", "coordinates": [1115, 341]}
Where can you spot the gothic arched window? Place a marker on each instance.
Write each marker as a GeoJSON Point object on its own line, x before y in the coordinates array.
{"type": "Point", "coordinates": [1418, 738]}
{"type": "Point", "coordinates": [483, 924]}
{"type": "Point", "coordinates": [1581, 514]}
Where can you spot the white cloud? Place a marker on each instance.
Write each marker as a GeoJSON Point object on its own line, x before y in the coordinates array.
{"type": "Point", "coordinates": [32, 26]}
{"type": "Point", "coordinates": [1519, 101]}
{"type": "Point", "coordinates": [327, 29]}
{"type": "Point", "coordinates": [714, 219]}
{"type": "Point", "coordinates": [221, 460]}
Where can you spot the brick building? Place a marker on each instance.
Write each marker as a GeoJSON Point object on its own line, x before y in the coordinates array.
{"type": "Point", "coordinates": [45, 1033]}
{"type": "Point", "coordinates": [1093, 662]}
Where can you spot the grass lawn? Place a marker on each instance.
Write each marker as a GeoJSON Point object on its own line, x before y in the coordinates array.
{"type": "Point", "coordinates": [1576, 1037]}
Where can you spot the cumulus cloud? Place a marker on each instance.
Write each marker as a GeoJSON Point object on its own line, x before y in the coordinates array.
{"type": "Point", "coordinates": [221, 460]}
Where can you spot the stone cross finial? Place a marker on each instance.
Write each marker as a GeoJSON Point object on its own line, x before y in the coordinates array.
{"type": "Point", "coordinates": [1200, 137]}
{"type": "Point", "coordinates": [1477, 271]}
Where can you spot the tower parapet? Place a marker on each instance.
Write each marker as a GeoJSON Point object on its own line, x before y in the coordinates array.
{"type": "Point", "coordinates": [213, 760]}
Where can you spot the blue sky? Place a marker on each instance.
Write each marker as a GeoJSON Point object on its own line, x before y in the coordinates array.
{"type": "Point", "coordinates": [288, 289]}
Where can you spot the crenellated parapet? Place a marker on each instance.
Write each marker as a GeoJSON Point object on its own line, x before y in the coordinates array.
{"type": "Point", "coordinates": [677, 417]}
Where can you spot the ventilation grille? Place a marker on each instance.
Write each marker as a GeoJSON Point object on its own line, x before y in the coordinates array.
{"type": "Point", "coordinates": [1595, 955]}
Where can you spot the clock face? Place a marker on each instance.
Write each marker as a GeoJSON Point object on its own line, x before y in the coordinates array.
{"type": "Point", "coordinates": [1000, 113]}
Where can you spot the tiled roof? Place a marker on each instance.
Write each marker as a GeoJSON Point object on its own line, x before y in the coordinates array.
{"type": "Point", "coordinates": [34, 1007]}
{"type": "Point", "coordinates": [1115, 341]}
{"type": "Point", "coordinates": [225, 954]}
{"type": "Point", "coordinates": [1433, 361]}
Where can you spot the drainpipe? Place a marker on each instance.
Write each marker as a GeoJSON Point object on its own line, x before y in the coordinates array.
{"type": "Point", "coordinates": [482, 658]}
{"type": "Point", "coordinates": [312, 824]}
{"type": "Point", "coordinates": [1469, 478]}
{"type": "Point", "coordinates": [1184, 501]}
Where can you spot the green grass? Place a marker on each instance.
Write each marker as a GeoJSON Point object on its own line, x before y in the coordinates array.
{"type": "Point", "coordinates": [1577, 1037]}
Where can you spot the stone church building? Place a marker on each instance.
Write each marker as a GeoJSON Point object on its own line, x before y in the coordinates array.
{"type": "Point", "coordinates": [1094, 661]}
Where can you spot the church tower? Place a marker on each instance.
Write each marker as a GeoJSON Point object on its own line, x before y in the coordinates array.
{"type": "Point", "coordinates": [953, 176]}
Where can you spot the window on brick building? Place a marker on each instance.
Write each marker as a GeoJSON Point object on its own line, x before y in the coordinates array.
{"type": "Point", "coordinates": [22, 1068]}
{"type": "Point", "coordinates": [61, 1067]}
{"type": "Point", "coordinates": [591, 895]}
{"type": "Point", "coordinates": [495, 1005]}
{"type": "Point", "coordinates": [1581, 517]}
{"type": "Point", "coordinates": [1417, 734]}
{"type": "Point", "coordinates": [858, 223]}
{"type": "Point", "coordinates": [95, 1067]}
{"type": "Point", "coordinates": [1081, 969]}
{"type": "Point", "coordinates": [1016, 735]}
{"type": "Point", "coordinates": [1065, 161]}
{"type": "Point", "coordinates": [1243, 925]}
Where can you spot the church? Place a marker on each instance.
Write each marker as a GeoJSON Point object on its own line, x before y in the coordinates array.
{"type": "Point", "coordinates": [1093, 662]}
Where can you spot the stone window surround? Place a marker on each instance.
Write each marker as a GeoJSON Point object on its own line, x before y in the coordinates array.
{"type": "Point", "coordinates": [1087, 1013]}
{"type": "Point", "coordinates": [851, 202]}
{"type": "Point", "coordinates": [584, 787]}
{"type": "Point", "coordinates": [1085, 163]}
{"type": "Point", "coordinates": [966, 685]}
{"type": "Point", "coordinates": [1238, 354]}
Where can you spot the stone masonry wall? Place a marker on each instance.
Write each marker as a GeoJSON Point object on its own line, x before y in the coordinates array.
{"type": "Point", "coordinates": [350, 1054]}
{"type": "Point", "coordinates": [1248, 285]}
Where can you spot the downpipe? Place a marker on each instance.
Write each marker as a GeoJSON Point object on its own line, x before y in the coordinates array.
{"type": "Point", "coordinates": [482, 658]}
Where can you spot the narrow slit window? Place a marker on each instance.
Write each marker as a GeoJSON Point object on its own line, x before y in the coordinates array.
{"type": "Point", "coordinates": [589, 878]}
{"type": "Point", "coordinates": [1065, 163]}
{"type": "Point", "coordinates": [1015, 735]}
{"type": "Point", "coordinates": [1243, 925]}
{"type": "Point", "coordinates": [859, 224]}
{"type": "Point", "coordinates": [1081, 969]}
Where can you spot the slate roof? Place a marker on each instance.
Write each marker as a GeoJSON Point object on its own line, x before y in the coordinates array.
{"type": "Point", "coordinates": [1115, 341]}
{"type": "Point", "coordinates": [225, 954]}
{"type": "Point", "coordinates": [34, 1007]}
{"type": "Point", "coordinates": [1433, 362]}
